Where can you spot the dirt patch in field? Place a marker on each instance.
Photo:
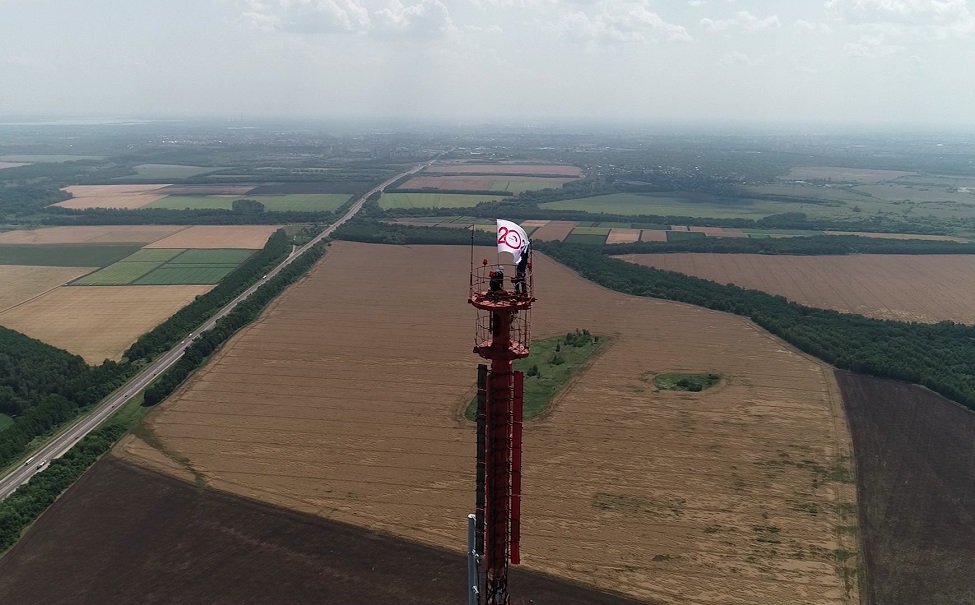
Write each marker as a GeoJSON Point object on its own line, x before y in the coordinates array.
{"type": "Point", "coordinates": [109, 234]}
{"type": "Point", "coordinates": [623, 236]}
{"type": "Point", "coordinates": [154, 540]}
{"type": "Point", "coordinates": [125, 197]}
{"type": "Point", "coordinates": [905, 287]}
{"type": "Point", "coordinates": [345, 400]}
{"type": "Point", "coordinates": [554, 231]}
{"type": "Point", "coordinates": [481, 183]}
{"type": "Point", "coordinates": [653, 235]}
{"type": "Point", "coordinates": [533, 169]}
{"type": "Point", "coordinates": [251, 237]}
{"type": "Point", "coordinates": [916, 477]}
{"type": "Point", "coordinates": [21, 283]}
{"type": "Point", "coordinates": [97, 322]}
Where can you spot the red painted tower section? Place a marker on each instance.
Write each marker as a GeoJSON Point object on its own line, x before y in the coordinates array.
{"type": "Point", "coordinates": [502, 335]}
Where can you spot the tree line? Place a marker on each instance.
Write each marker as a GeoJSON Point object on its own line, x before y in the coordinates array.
{"type": "Point", "coordinates": [938, 356]}
{"type": "Point", "coordinates": [806, 246]}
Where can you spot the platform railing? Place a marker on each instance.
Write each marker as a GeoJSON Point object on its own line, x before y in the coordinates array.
{"type": "Point", "coordinates": [482, 277]}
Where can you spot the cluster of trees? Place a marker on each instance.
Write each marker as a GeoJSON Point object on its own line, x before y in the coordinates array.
{"type": "Point", "coordinates": [23, 507]}
{"type": "Point", "coordinates": [243, 314]}
{"type": "Point", "coordinates": [808, 246]}
{"type": "Point", "coordinates": [22, 201]}
{"type": "Point", "coordinates": [168, 333]}
{"type": "Point", "coordinates": [42, 387]}
{"type": "Point", "coordinates": [938, 356]}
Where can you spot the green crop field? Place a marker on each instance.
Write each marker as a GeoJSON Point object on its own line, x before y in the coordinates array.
{"type": "Point", "coordinates": [150, 255]}
{"type": "Point", "coordinates": [64, 255]}
{"type": "Point", "coordinates": [433, 200]}
{"type": "Point", "coordinates": [676, 236]}
{"type": "Point", "coordinates": [591, 230]}
{"type": "Point", "coordinates": [48, 159]}
{"type": "Point", "coordinates": [585, 238]}
{"type": "Point", "coordinates": [169, 171]}
{"type": "Point", "coordinates": [214, 256]}
{"type": "Point", "coordinates": [304, 202]}
{"type": "Point", "coordinates": [173, 274]}
{"type": "Point", "coordinates": [117, 274]}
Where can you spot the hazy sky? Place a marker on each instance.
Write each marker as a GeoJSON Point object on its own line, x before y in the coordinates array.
{"type": "Point", "coordinates": [876, 61]}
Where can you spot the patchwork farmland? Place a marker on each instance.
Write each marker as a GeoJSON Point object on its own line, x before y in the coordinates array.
{"type": "Point", "coordinates": [889, 286]}
{"type": "Point", "coordinates": [167, 266]}
{"type": "Point", "coordinates": [331, 405]}
{"type": "Point", "coordinates": [124, 197]}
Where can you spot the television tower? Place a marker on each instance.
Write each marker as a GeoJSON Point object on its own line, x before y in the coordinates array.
{"type": "Point", "coordinates": [502, 335]}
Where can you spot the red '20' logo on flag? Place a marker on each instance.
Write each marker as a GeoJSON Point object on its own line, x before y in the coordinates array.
{"type": "Point", "coordinates": [509, 237]}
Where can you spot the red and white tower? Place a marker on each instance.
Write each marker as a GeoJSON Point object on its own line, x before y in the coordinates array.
{"type": "Point", "coordinates": [501, 336]}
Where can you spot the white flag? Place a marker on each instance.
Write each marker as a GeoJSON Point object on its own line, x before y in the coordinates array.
{"type": "Point", "coordinates": [511, 239]}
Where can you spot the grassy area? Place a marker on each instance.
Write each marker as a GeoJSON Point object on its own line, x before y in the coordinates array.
{"type": "Point", "coordinates": [683, 204]}
{"type": "Point", "coordinates": [686, 382]}
{"type": "Point", "coordinates": [117, 274]}
{"type": "Point", "coordinates": [591, 230]}
{"type": "Point", "coordinates": [65, 255]}
{"type": "Point", "coordinates": [5, 421]}
{"type": "Point", "coordinates": [48, 159]}
{"type": "Point", "coordinates": [168, 267]}
{"type": "Point", "coordinates": [305, 202]}
{"type": "Point", "coordinates": [676, 236]}
{"type": "Point", "coordinates": [516, 186]}
{"type": "Point", "coordinates": [173, 274]}
{"type": "Point", "coordinates": [433, 200]}
{"type": "Point", "coordinates": [549, 366]}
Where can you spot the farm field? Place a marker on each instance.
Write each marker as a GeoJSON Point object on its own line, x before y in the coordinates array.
{"type": "Point", "coordinates": [915, 472]}
{"type": "Point", "coordinates": [925, 288]}
{"type": "Point", "coordinates": [485, 183]}
{"type": "Point", "coordinates": [533, 169]}
{"type": "Point", "coordinates": [331, 404]}
{"type": "Point", "coordinates": [167, 267]}
{"type": "Point", "coordinates": [64, 255]}
{"type": "Point", "coordinates": [162, 541]}
{"type": "Point", "coordinates": [47, 158]}
{"type": "Point", "coordinates": [296, 201]}
{"type": "Point", "coordinates": [433, 200]}
{"type": "Point", "coordinates": [108, 234]}
{"type": "Point", "coordinates": [227, 189]}
{"type": "Point", "coordinates": [21, 283]}
{"type": "Point", "coordinates": [316, 187]}
{"type": "Point", "coordinates": [126, 197]}
{"type": "Point", "coordinates": [97, 322]}
{"type": "Point", "coordinates": [554, 231]}
{"type": "Point", "coordinates": [684, 204]}
{"type": "Point", "coordinates": [5, 165]}
{"type": "Point", "coordinates": [169, 171]}
{"type": "Point", "coordinates": [251, 236]}
{"type": "Point", "coordinates": [844, 175]}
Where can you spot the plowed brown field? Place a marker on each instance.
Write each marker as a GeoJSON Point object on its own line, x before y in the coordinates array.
{"type": "Point", "coordinates": [109, 234]}
{"type": "Point", "coordinates": [218, 237]}
{"type": "Point", "coordinates": [887, 286]}
{"type": "Point", "coordinates": [21, 283]}
{"type": "Point", "coordinates": [623, 236]}
{"type": "Point", "coordinates": [345, 400]}
{"type": "Point", "coordinates": [554, 231]}
{"type": "Point", "coordinates": [97, 322]}
{"type": "Point", "coordinates": [653, 235]}
{"type": "Point", "coordinates": [112, 196]}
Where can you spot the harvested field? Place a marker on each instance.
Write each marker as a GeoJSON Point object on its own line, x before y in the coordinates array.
{"type": "Point", "coordinates": [623, 236]}
{"type": "Point", "coordinates": [108, 234]}
{"type": "Point", "coordinates": [111, 196]}
{"type": "Point", "coordinates": [554, 231]}
{"type": "Point", "coordinates": [208, 189]}
{"type": "Point", "coordinates": [22, 283]}
{"type": "Point", "coordinates": [162, 541]}
{"type": "Point", "coordinates": [484, 183]}
{"type": "Point", "coordinates": [905, 287]}
{"type": "Point", "coordinates": [718, 231]}
{"type": "Point", "coordinates": [533, 169]}
{"type": "Point", "coordinates": [252, 237]}
{"type": "Point", "coordinates": [916, 478]}
{"type": "Point", "coordinates": [653, 235]}
{"type": "Point", "coordinates": [533, 223]}
{"type": "Point", "coordinates": [5, 165]}
{"type": "Point", "coordinates": [847, 175]}
{"type": "Point", "coordinates": [332, 404]}
{"type": "Point", "coordinates": [97, 322]}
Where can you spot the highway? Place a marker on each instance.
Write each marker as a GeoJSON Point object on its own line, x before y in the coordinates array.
{"type": "Point", "coordinates": [64, 442]}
